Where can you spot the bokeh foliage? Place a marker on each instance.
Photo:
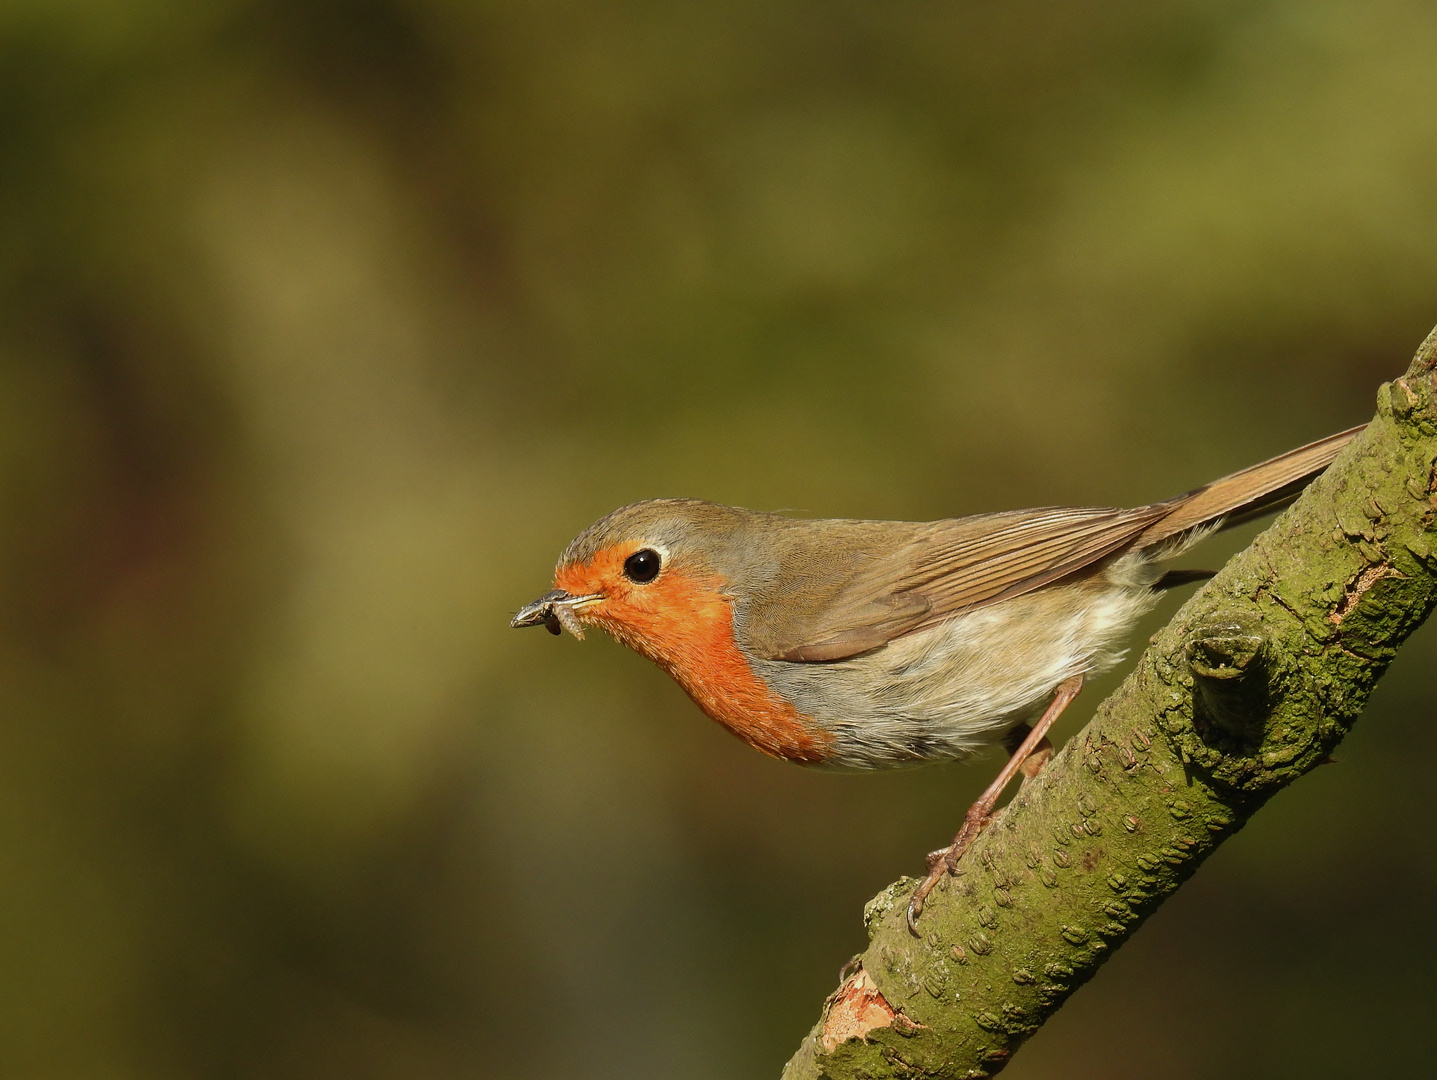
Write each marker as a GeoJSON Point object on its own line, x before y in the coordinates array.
{"type": "Point", "coordinates": [324, 324]}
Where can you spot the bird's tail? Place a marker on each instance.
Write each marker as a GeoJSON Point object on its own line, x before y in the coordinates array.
{"type": "Point", "coordinates": [1244, 495]}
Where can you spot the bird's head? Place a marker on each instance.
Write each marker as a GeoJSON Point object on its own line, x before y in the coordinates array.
{"type": "Point", "coordinates": [657, 575]}
{"type": "Point", "coordinates": [665, 577]}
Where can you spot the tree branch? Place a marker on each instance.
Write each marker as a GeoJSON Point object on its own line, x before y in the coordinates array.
{"type": "Point", "coordinates": [1252, 684]}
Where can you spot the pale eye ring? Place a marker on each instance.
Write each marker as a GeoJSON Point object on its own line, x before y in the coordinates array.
{"type": "Point", "coordinates": [643, 566]}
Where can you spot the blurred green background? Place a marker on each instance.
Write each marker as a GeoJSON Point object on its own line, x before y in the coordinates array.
{"type": "Point", "coordinates": [325, 324]}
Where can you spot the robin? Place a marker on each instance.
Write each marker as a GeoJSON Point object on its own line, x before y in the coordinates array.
{"type": "Point", "coordinates": [875, 644]}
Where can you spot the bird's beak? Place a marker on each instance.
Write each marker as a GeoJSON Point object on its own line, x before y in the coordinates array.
{"type": "Point", "coordinates": [555, 611]}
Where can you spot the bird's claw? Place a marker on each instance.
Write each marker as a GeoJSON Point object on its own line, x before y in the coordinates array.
{"type": "Point", "coordinates": [915, 909]}
{"type": "Point", "coordinates": [939, 864]}
{"type": "Point", "coordinates": [944, 861]}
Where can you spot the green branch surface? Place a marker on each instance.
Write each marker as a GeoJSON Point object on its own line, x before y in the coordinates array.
{"type": "Point", "coordinates": [1253, 683]}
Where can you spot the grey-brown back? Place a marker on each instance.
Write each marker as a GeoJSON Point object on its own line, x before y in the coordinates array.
{"type": "Point", "coordinates": [931, 572]}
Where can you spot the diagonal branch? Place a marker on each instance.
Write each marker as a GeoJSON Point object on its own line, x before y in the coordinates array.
{"type": "Point", "coordinates": [1252, 684]}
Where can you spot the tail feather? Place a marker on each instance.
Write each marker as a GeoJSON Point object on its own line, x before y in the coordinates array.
{"type": "Point", "coordinates": [1250, 493]}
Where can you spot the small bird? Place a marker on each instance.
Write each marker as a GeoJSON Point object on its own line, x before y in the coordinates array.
{"type": "Point", "coordinates": [875, 644]}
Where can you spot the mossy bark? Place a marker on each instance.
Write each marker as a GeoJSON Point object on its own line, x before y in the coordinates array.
{"type": "Point", "coordinates": [1252, 684]}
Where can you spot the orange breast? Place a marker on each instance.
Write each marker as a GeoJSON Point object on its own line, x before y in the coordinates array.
{"type": "Point", "coordinates": [684, 624]}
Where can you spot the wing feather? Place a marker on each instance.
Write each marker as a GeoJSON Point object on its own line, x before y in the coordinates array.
{"type": "Point", "coordinates": [945, 567]}
{"type": "Point", "coordinates": [866, 583]}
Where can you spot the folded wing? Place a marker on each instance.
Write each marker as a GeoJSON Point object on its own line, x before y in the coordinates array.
{"type": "Point", "coordinates": [918, 578]}
{"type": "Point", "coordinates": [946, 567]}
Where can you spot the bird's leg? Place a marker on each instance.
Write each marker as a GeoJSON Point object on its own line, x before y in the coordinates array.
{"type": "Point", "coordinates": [1034, 748]}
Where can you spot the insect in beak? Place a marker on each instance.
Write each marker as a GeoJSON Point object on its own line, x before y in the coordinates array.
{"type": "Point", "coordinates": [555, 611]}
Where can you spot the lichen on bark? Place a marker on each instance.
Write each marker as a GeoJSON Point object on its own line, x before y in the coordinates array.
{"type": "Point", "coordinates": [1251, 685]}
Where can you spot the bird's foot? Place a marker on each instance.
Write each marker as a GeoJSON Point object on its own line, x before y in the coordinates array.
{"type": "Point", "coordinates": [945, 861]}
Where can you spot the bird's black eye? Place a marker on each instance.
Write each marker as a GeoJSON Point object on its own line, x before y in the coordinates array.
{"type": "Point", "coordinates": [642, 566]}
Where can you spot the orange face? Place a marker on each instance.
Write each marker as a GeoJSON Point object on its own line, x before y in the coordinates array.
{"type": "Point", "coordinates": [684, 623]}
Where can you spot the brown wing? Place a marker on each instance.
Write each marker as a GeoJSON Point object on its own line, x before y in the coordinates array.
{"type": "Point", "coordinates": [894, 578]}
{"type": "Point", "coordinates": [942, 568]}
